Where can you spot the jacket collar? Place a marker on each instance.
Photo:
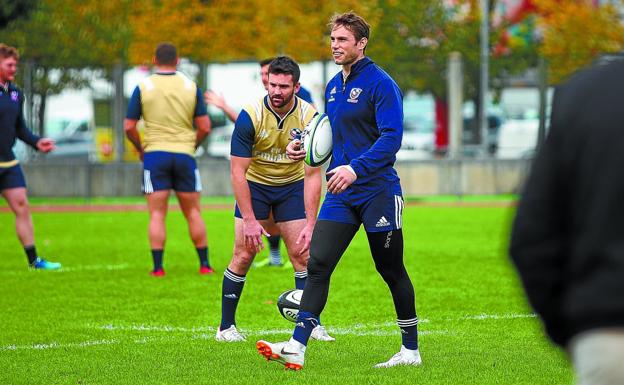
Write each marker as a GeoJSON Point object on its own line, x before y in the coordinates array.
{"type": "Point", "coordinates": [359, 66]}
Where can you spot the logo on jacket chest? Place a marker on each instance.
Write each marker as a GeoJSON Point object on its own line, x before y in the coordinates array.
{"type": "Point", "coordinates": [354, 94]}
{"type": "Point", "coordinates": [331, 95]}
{"type": "Point", "coordinates": [14, 96]}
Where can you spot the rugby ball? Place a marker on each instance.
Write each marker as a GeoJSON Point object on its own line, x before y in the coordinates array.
{"type": "Point", "coordinates": [288, 304]}
{"type": "Point", "coordinates": [317, 140]}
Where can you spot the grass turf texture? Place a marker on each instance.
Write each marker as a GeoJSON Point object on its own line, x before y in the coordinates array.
{"type": "Point", "coordinates": [104, 320]}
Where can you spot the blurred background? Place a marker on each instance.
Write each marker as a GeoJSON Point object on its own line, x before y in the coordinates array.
{"type": "Point", "coordinates": [477, 77]}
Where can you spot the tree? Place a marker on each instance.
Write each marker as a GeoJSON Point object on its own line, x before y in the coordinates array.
{"type": "Point", "coordinates": [61, 38]}
{"type": "Point", "coordinates": [414, 42]}
{"type": "Point", "coordinates": [575, 33]}
{"type": "Point", "coordinates": [231, 30]}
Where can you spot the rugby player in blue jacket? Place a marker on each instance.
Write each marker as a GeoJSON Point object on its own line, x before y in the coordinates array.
{"type": "Point", "coordinates": [364, 106]}
{"type": "Point", "coordinates": [12, 183]}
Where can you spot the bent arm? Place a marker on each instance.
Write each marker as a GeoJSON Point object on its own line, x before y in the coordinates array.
{"type": "Point", "coordinates": [388, 103]}
{"type": "Point", "coordinates": [312, 193]}
{"type": "Point", "coordinates": [130, 128]}
{"type": "Point", "coordinates": [203, 129]}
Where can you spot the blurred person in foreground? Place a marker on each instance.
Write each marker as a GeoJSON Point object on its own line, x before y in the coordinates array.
{"type": "Point", "coordinates": [365, 108]}
{"type": "Point", "coordinates": [170, 104]}
{"type": "Point", "coordinates": [270, 189]}
{"type": "Point", "coordinates": [567, 240]}
{"type": "Point", "coordinates": [211, 97]}
{"type": "Point", "coordinates": [12, 182]}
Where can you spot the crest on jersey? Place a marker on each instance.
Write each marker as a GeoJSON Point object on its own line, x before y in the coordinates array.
{"type": "Point", "coordinates": [295, 133]}
{"type": "Point", "coordinates": [354, 94]}
{"type": "Point", "coordinates": [14, 96]}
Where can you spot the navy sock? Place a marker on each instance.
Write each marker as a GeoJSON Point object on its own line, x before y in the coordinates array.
{"type": "Point", "coordinates": [31, 254]}
{"type": "Point", "coordinates": [231, 292]}
{"type": "Point", "coordinates": [202, 252]}
{"type": "Point", "coordinates": [274, 249]}
{"type": "Point", "coordinates": [409, 333]}
{"type": "Point", "coordinates": [300, 279]}
{"type": "Point", "coordinates": [305, 323]}
{"type": "Point", "coordinates": [157, 257]}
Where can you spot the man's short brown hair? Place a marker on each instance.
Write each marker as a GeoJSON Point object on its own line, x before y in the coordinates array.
{"type": "Point", "coordinates": [166, 54]}
{"type": "Point", "coordinates": [353, 22]}
{"type": "Point", "coordinates": [8, 51]}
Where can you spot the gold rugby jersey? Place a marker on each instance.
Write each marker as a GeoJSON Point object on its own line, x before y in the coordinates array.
{"type": "Point", "coordinates": [168, 105]}
{"type": "Point", "coordinates": [260, 134]}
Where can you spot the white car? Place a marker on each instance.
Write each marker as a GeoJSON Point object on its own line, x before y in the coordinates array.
{"type": "Point", "coordinates": [517, 138]}
{"type": "Point", "coordinates": [219, 141]}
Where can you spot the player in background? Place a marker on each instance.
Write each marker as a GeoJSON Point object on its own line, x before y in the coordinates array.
{"type": "Point", "coordinates": [266, 182]}
{"type": "Point", "coordinates": [170, 103]}
{"type": "Point", "coordinates": [12, 182]}
{"type": "Point", "coordinates": [275, 258]}
{"type": "Point", "coordinates": [365, 109]}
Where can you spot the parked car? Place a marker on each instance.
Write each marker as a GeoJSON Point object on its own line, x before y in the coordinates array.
{"type": "Point", "coordinates": [418, 128]}
{"type": "Point", "coordinates": [219, 141]}
{"type": "Point", "coordinates": [74, 140]}
{"type": "Point", "coordinates": [518, 138]}
{"type": "Point", "coordinates": [471, 132]}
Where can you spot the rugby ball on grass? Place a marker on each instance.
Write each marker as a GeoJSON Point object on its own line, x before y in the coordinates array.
{"type": "Point", "coordinates": [288, 304]}
{"type": "Point", "coordinates": [317, 140]}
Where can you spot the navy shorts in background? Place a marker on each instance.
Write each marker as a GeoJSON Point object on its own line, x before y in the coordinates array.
{"type": "Point", "coordinates": [169, 170]}
{"type": "Point", "coordinates": [285, 201]}
{"type": "Point", "coordinates": [11, 177]}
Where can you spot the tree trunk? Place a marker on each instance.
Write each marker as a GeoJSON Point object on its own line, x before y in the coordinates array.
{"type": "Point", "coordinates": [441, 129]}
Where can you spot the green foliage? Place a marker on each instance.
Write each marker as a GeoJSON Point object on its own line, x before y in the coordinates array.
{"type": "Point", "coordinates": [104, 320]}
{"type": "Point", "coordinates": [414, 40]}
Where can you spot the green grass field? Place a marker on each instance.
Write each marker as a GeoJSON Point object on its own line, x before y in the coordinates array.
{"type": "Point", "coordinates": [104, 320]}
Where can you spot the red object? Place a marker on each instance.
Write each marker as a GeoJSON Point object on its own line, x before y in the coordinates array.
{"type": "Point", "coordinates": [517, 14]}
{"type": "Point", "coordinates": [441, 129]}
{"type": "Point", "coordinates": [206, 270]}
{"type": "Point", "coordinates": [158, 273]}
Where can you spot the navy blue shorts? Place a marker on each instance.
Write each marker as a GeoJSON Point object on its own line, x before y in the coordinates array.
{"type": "Point", "coordinates": [381, 211]}
{"type": "Point", "coordinates": [169, 170]}
{"type": "Point", "coordinates": [285, 201]}
{"type": "Point", "coordinates": [11, 177]}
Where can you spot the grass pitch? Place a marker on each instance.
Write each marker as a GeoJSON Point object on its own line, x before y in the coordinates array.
{"type": "Point", "coordinates": [104, 320]}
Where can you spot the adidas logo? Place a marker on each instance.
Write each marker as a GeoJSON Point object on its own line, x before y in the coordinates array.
{"type": "Point", "coordinates": [232, 296]}
{"type": "Point", "coordinates": [333, 91]}
{"type": "Point", "coordinates": [382, 222]}
{"type": "Point", "coordinates": [300, 325]}
{"type": "Point", "coordinates": [403, 331]}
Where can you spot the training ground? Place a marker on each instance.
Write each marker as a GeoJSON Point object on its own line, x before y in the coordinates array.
{"type": "Point", "coordinates": [104, 320]}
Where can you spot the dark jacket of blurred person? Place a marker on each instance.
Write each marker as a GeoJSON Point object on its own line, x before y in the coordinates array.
{"type": "Point", "coordinates": [567, 239]}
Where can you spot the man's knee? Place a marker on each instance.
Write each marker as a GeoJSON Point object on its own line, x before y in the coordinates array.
{"type": "Point", "coordinates": [241, 259]}
{"type": "Point", "coordinates": [318, 269]}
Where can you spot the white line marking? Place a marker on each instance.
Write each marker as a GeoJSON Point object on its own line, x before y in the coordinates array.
{"type": "Point", "coordinates": [121, 266]}
{"type": "Point", "coordinates": [168, 332]}
{"type": "Point", "coordinates": [56, 345]}
{"type": "Point", "coordinates": [70, 269]}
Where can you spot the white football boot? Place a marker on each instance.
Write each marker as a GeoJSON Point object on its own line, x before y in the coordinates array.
{"type": "Point", "coordinates": [229, 335]}
{"type": "Point", "coordinates": [288, 353]}
{"type": "Point", "coordinates": [319, 333]}
{"type": "Point", "coordinates": [403, 357]}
